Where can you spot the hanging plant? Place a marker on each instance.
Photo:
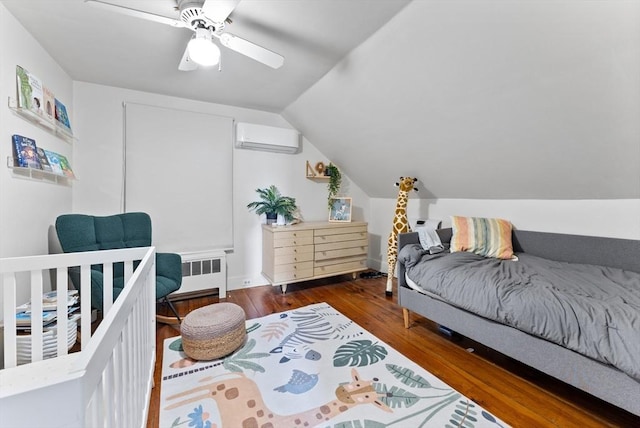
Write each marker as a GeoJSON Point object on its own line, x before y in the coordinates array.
{"type": "Point", "coordinates": [335, 180]}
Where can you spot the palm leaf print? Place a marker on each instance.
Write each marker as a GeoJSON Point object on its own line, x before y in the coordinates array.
{"type": "Point", "coordinates": [396, 397]}
{"type": "Point", "coordinates": [364, 424]}
{"type": "Point", "coordinates": [359, 353]}
{"type": "Point", "coordinates": [463, 415]}
{"type": "Point", "coordinates": [275, 330]}
{"type": "Point", "coordinates": [239, 361]}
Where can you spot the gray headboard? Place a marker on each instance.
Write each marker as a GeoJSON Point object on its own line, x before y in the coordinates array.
{"type": "Point", "coordinates": [612, 252]}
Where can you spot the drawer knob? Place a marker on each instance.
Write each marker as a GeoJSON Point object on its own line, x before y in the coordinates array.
{"type": "Point", "coordinates": [294, 234]}
{"type": "Point", "coordinates": [294, 242]}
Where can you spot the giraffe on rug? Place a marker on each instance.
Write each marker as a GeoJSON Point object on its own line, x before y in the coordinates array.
{"type": "Point", "coordinates": [240, 402]}
{"type": "Point", "coordinates": [400, 225]}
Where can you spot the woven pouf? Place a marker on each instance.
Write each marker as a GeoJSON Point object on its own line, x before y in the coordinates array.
{"type": "Point", "coordinates": [213, 331]}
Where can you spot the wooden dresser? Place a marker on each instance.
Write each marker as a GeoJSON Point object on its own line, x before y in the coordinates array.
{"type": "Point", "coordinates": [313, 250]}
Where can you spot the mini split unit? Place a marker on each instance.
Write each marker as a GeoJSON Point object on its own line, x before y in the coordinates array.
{"type": "Point", "coordinates": [267, 138]}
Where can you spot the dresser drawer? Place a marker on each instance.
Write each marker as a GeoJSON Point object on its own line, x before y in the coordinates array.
{"type": "Point", "coordinates": [340, 230]}
{"type": "Point", "coordinates": [337, 268]}
{"type": "Point", "coordinates": [293, 275]}
{"type": "Point", "coordinates": [293, 267]}
{"type": "Point", "coordinates": [343, 252]}
{"type": "Point", "coordinates": [341, 245]}
{"type": "Point", "coordinates": [293, 234]}
{"type": "Point", "coordinates": [279, 242]}
{"type": "Point", "coordinates": [293, 258]}
{"type": "Point", "coordinates": [323, 239]}
{"type": "Point", "coordinates": [292, 251]}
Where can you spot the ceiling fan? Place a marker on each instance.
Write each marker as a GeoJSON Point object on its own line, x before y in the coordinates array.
{"type": "Point", "coordinates": [207, 20]}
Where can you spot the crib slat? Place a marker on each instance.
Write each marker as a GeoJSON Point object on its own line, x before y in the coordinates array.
{"type": "Point", "coordinates": [36, 315]}
{"type": "Point", "coordinates": [63, 318]}
{"type": "Point", "coordinates": [9, 308]}
{"type": "Point", "coordinates": [107, 291]}
{"type": "Point", "coordinates": [85, 305]}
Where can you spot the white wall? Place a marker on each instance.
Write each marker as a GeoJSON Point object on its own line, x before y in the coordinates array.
{"type": "Point", "coordinates": [98, 163]}
{"type": "Point", "coordinates": [28, 207]}
{"type": "Point", "coordinates": [609, 218]}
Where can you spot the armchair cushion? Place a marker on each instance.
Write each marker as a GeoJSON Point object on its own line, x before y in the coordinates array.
{"type": "Point", "coordinates": [79, 232]}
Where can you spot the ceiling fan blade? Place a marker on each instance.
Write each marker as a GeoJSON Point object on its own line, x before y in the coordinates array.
{"type": "Point", "coordinates": [186, 63]}
{"type": "Point", "coordinates": [137, 13]}
{"type": "Point", "coordinates": [251, 50]}
{"type": "Point", "coordinates": [219, 10]}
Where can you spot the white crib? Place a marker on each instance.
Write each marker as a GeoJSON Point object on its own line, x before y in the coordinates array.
{"type": "Point", "coordinates": [108, 383]}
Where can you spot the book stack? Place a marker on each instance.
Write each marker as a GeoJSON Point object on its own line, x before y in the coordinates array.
{"type": "Point", "coordinates": [49, 326]}
{"type": "Point", "coordinates": [49, 309]}
{"type": "Point", "coordinates": [37, 98]}
{"type": "Point", "coordinates": [27, 154]}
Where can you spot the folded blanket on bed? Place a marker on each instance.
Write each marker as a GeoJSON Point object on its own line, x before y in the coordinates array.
{"type": "Point", "coordinates": [429, 238]}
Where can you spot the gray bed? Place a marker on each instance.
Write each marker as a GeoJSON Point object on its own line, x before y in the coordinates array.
{"type": "Point", "coordinates": [582, 361]}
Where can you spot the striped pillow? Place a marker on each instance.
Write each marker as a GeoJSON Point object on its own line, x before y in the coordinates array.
{"type": "Point", "coordinates": [489, 237]}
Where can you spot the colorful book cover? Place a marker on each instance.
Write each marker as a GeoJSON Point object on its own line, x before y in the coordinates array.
{"type": "Point", "coordinates": [30, 93]}
{"type": "Point", "coordinates": [59, 164]}
{"type": "Point", "coordinates": [54, 161]}
{"type": "Point", "coordinates": [25, 152]}
{"type": "Point", "coordinates": [61, 114]}
{"type": "Point", "coordinates": [49, 105]}
{"type": "Point", "coordinates": [66, 167]}
{"type": "Point", "coordinates": [24, 318]}
{"type": "Point", "coordinates": [44, 162]}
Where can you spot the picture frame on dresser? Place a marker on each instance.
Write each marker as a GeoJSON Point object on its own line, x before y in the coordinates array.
{"type": "Point", "coordinates": [340, 210]}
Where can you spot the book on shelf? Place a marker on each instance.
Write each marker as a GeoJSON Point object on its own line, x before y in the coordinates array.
{"type": "Point", "coordinates": [59, 164]}
{"type": "Point", "coordinates": [30, 93]}
{"type": "Point", "coordinates": [25, 152]}
{"type": "Point", "coordinates": [66, 167]}
{"type": "Point", "coordinates": [42, 158]}
{"type": "Point", "coordinates": [49, 105]}
{"type": "Point", "coordinates": [61, 114]}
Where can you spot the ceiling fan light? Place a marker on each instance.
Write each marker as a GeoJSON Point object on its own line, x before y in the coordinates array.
{"type": "Point", "coordinates": [202, 50]}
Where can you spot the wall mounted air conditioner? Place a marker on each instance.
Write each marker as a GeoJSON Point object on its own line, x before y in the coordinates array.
{"type": "Point", "coordinates": [267, 138]}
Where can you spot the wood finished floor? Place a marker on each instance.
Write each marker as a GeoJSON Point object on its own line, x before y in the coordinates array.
{"type": "Point", "coordinates": [519, 395]}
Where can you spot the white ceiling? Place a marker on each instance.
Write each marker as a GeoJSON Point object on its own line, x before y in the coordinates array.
{"type": "Point", "coordinates": [479, 99]}
{"type": "Point", "coordinates": [103, 47]}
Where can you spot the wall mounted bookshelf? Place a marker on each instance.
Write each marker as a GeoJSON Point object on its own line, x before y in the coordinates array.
{"type": "Point", "coordinates": [37, 174]}
{"type": "Point", "coordinates": [312, 174]}
{"type": "Point", "coordinates": [60, 131]}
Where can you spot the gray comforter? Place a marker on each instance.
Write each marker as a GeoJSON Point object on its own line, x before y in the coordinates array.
{"type": "Point", "coordinates": [590, 309]}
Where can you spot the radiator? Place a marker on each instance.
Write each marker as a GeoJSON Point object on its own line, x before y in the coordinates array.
{"type": "Point", "coordinates": [202, 272]}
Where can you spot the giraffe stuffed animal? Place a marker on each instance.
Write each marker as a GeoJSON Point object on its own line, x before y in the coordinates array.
{"type": "Point", "coordinates": [400, 225]}
{"type": "Point", "coordinates": [240, 402]}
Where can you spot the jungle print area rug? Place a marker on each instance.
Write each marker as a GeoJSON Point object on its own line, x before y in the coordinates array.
{"type": "Point", "coordinates": [304, 368]}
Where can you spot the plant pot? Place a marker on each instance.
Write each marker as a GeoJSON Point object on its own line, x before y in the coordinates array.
{"type": "Point", "coordinates": [281, 221]}
{"type": "Point", "coordinates": [271, 218]}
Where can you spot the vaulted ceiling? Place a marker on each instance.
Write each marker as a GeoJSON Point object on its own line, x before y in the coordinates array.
{"type": "Point", "coordinates": [489, 99]}
{"type": "Point", "coordinates": [101, 46]}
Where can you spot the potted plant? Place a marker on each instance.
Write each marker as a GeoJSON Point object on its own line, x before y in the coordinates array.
{"type": "Point", "coordinates": [335, 180]}
{"type": "Point", "coordinates": [272, 204]}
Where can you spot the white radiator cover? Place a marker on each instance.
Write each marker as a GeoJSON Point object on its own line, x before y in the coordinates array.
{"type": "Point", "coordinates": [267, 138]}
{"type": "Point", "coordinates": [203, 271]}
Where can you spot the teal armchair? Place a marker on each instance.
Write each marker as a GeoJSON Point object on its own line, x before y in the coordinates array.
{"type": "Point", "coordinates": [79, 232]}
